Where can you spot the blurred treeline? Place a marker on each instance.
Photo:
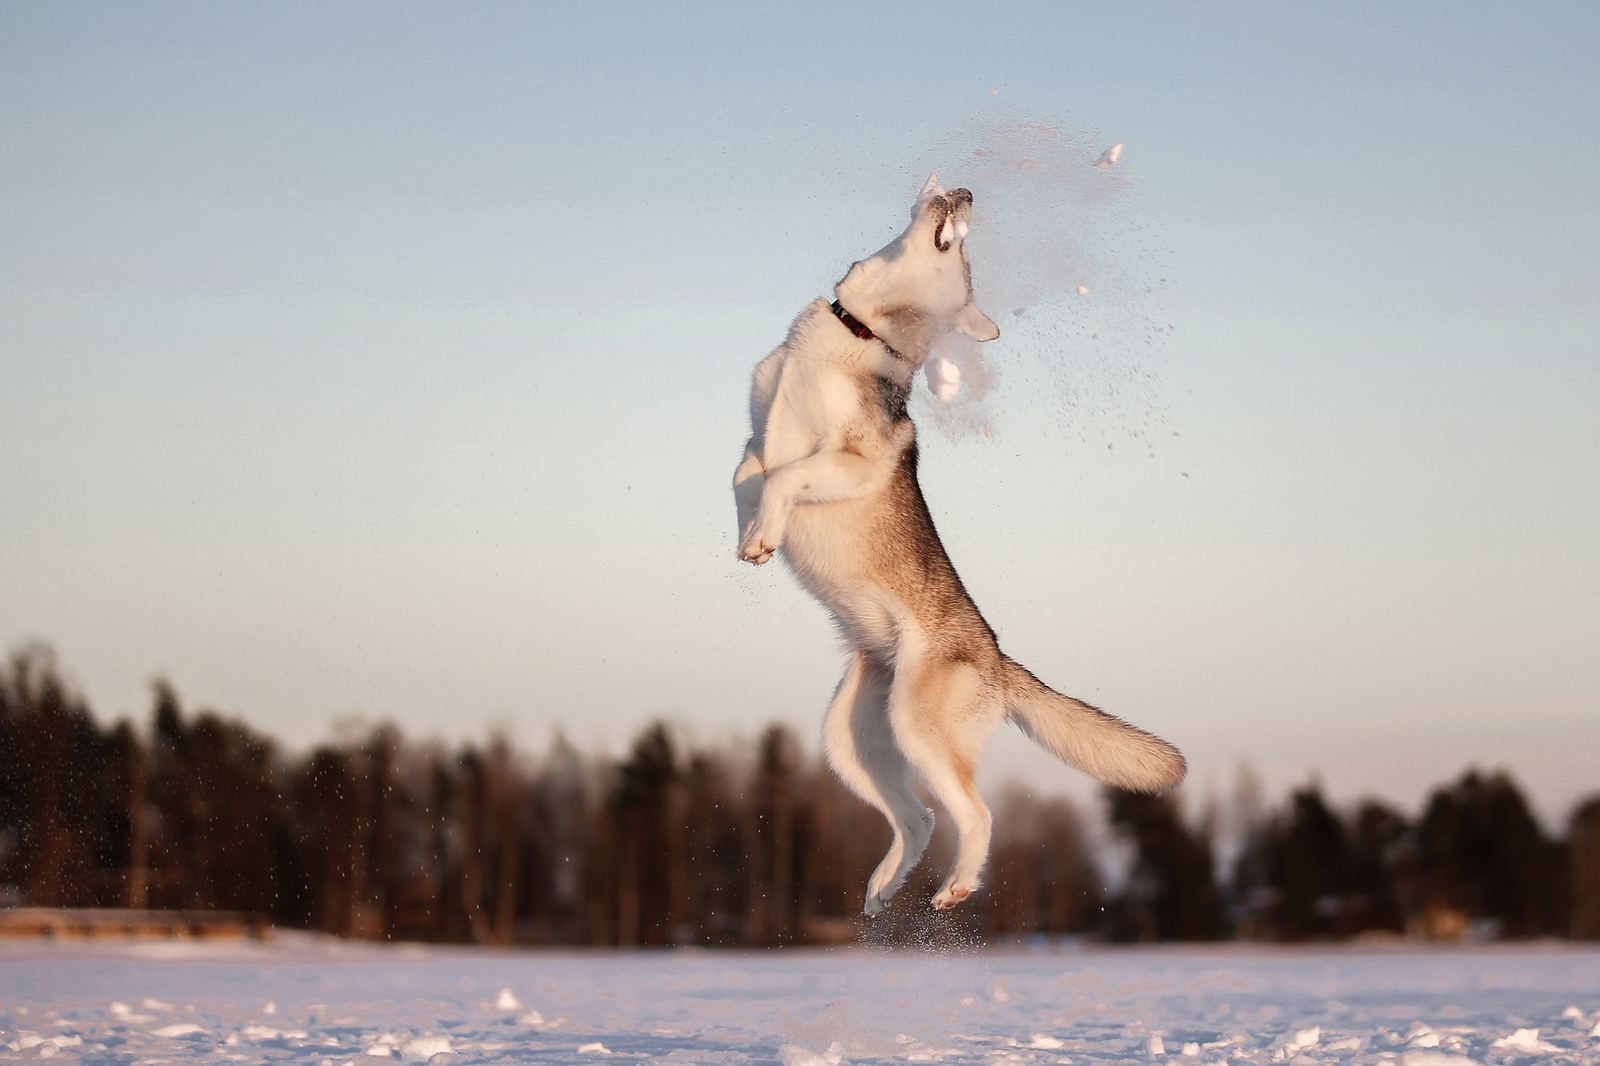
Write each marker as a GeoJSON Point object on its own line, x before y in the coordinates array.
{"type": "Point", "coordinates": [382, 838]}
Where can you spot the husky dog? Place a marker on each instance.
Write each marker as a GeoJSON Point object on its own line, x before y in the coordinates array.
{"type": "Point", "coordinates": [830, 477]}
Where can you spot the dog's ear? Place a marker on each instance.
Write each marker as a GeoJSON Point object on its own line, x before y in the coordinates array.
{"type": "Point", "coordinates": [975, 324]}
{"type": "Point", "coordinates": [930, 189]}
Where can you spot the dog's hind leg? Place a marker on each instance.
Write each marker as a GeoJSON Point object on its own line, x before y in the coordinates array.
{"type": "Point", "coordinates": [943, 716]}
{"type": "Point", "coordinates": [862, 751]}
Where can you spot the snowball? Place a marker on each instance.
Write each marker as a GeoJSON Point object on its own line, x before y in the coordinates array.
{"type": "Point", "coordinates": [1304, 1037]}
{"type": "Point", "coordinates": [124, 1013]}
{"type": "Point", "coordinates": [259, 1033]}
{"type": "Point", "coordinates": [507, 1001]}
{"type": "Point", "coordinates": [944, 379]}
{"type": "Point", "coordinates": [1083, 290]}
{"type": "Point", "coordinates": [423, 1048]}
{"type": "Point", "coordinates": [795, 1055]}
{"type": "Point", "coordinates": [1524, 1040]}
{"type": "Point", "coordinates": [1434, 1058]}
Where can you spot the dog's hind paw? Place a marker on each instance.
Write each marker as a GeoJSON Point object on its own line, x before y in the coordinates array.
{"type": "Point", "coordinates": [873, 906]}
{"type": "Point", "coordinates": [950, 895]}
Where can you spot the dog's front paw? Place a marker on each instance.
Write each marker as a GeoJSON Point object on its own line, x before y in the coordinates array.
{"type": "Point", "coordinates": [758, 547]}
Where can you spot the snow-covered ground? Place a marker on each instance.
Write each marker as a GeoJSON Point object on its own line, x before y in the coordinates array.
{"type": "Point", "coordinates": [299, 1000]}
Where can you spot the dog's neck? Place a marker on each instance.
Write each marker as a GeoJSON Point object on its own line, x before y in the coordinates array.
{"type": "Point", "coordinates": [861, 329]}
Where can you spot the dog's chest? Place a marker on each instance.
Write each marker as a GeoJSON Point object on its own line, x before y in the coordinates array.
{"type": "Point", "coordinates": [818, 406]}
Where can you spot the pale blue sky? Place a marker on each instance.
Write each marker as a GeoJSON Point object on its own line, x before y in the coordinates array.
{"type": "Point", "coordinates": [391, 360]}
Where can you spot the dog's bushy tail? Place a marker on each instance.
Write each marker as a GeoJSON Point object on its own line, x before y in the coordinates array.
{"type": "Point", "coordinates": [1101, 745]}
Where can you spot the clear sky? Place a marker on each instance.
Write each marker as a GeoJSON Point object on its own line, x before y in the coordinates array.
{"type": "Point", "coordinates": [391, 361]}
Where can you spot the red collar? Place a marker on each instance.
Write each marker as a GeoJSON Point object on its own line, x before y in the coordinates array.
{"type": "Point", "coordinates": [860, 328]}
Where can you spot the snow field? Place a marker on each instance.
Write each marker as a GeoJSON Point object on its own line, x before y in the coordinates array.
{"type": "Point", "coordinates": [320, 1003]}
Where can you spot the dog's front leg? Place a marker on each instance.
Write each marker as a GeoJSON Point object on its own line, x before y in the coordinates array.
{"type": "Point", "coordinates": [749, 478]}
{"type": "Point", "coordinates": [826, 476]}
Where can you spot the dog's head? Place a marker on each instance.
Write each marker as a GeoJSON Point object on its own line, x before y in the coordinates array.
{"type": "Point", "coordinates": [919, 286]}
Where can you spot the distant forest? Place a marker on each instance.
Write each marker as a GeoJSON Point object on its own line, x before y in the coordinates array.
{"type": "Point", "coordinates": [386, 838]}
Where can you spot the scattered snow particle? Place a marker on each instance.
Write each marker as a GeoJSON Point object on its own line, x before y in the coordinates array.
{"type": "Point", "coordinates": [1424, 1040]}
{"type": "Point", "coordinates": [1191, 1051]}
{"type": "Point", "coordinates": [381, 1051]}
{"type": "Point", "coordinates": [532, 1017]}
{"type": "Point", "coordinates": [994, 92]}
{"type": "Point", "coordinates": [1109, 157]}
{"type": "Point", "coordinates": [1304, 1038]}
{"type": "Point", "coordinates": [507, 1001]}
{"type": "Point", "coordinates": [595, 1048]}
{"type": "Point", "coordinates": [180, 1029]}
{"type": "Point", "coordinates": [1157, 1047]}
{"type": "Point", "coordinates": [1344, 1043]}
{"type": "Point", "coordinates": [1045, 1040]}
{"type": "Point", "coordinates": [1083, 290]}
{"type": "Point", "coordinates": [969, 1001]}
{"type": "Point", "coordinates": [270, 1007]}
